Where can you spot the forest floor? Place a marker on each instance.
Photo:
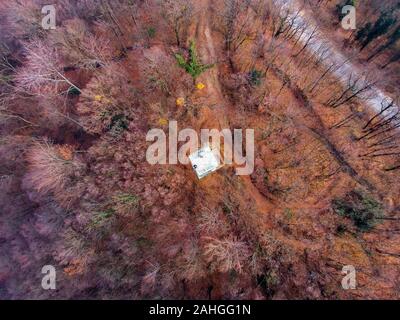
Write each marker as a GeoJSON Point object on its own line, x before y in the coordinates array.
{"type": "Point", "coordinates": [134, 230]}
{"type": "Point", "coordinates": [217, 110]}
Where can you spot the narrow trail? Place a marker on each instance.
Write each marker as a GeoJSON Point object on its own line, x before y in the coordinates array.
{"type": "Point", "coordinates": [215, 99]}
{"type": "Point", "coordinates": [220, 107]}
{"type": "Point", "coordinates": [205, 45]}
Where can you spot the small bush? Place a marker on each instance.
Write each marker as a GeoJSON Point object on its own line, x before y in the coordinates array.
{"type": "Point", "coordinates": [118, 124]}
{"type": "Point", "coordinates": [361, 208]}
{"type": "Point", "coordinates": [80, 47]}
{"type": "Point", "coordinates": [108, 103]}
{"type": "Point", "coordinates": [341, 229]}
{"type": "Point", "coordinates": [289, 214]}
{"type": "Point", "coordinates": [100, 218]}
{"type": "Point", "coordinates": [126, 203]}
{"type": "Point", "coordinates": [193, 65]}
{"type": "Point", "coordinates": [255, 77]}
{"type": "Point", "coordinates": [151, 32]}
{"type": "Point", "coordinates": [268, 282]}
{"type": "Point", "coordinates": [72, 91]}
{"type": "Point", "coordinates": [226, 255]}
{"type": "Point", "coordinates": [23, 18]}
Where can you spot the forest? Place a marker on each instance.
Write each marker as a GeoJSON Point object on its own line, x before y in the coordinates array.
{"type": "Point", "coordinates": [78, 98]}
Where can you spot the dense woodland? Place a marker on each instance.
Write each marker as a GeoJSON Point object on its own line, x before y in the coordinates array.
{"type": "Point", "coordinates": [76, 191]}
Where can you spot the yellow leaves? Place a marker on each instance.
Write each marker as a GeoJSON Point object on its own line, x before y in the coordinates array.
{"type": "Point", "coordinates": [180, 102]}
{"type": "Point", "coordinates": [102, 99]}
{"type": "Point", "coordinates": [200, 86]}
{"type": "Point", "coordinates": [162, 122]}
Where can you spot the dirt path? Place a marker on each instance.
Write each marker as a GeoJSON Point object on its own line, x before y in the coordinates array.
{"type": "Point", "coordinates": [208, 51]}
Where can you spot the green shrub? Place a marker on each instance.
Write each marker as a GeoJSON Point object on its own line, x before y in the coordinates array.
{"type": "Point", "coordinates": [268, 282]}
{"type": "Point", "coordinates": [193, 65]}
{"type": "Point", "coordinates": [73, 91]}
{"type": "Point", "coordinates": [361, 208]}
{"type": "Point", "coordinates": [126, 198]}
{"type": "Point", "coordinates": [126, 203]}
{"type": "Point", "coordinates": [101, 217]}
{"type": "Point", "coordinates": [255, 77]}
{"type": "Point", "coordinates": [151, 32]}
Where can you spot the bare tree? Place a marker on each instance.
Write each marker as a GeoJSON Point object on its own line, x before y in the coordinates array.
{"type": "Point", "coordinates": [23, 18]}
{"type": "Point", "coordinates": [235, 26]}
{"type": "Point", "coordinates": [381, 131]}
{"type": "Point", "coordinates": [288, 23]}
{"type": "Point", "coordinates": [308, 40]}
{"type": "Point", "coordinates": [82, 48]}
{"type": "Point", "coordinates": [41, 72]}
{"type": "Point", "coordinates": [227, 254]}
{"type": "Point", "coordinates": [53, 168]}
{"type": "Point", "coordinates": [262, 9]}
{"type": "Point", "coordinates": [333, 67]}
{"type": "Point", "coordinates": [177, 13]}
